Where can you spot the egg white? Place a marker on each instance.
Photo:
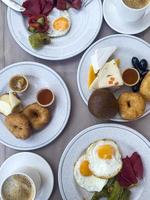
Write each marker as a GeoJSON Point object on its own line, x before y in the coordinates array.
{"type": "Point", "coordinates": [104, 168]}
{"type": "Point", "coordinates": [90, 183]}
{"type": "Point", "coordinates": [55, 14]}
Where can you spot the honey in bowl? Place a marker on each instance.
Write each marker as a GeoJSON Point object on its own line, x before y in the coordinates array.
{"type": "Point", "coordinates": [45, 97]}
{"type": "Point", "coordinates": [131, 77]}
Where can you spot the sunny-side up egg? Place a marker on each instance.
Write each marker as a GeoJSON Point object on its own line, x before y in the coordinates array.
{"type": "Point", "coordinates": [85, 178]}
{"type": "Point", "coordinates": [60, 23]}
{"type": "Point", "coordinates": [104, 158]}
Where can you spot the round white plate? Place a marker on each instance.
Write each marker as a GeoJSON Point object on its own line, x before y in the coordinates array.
{"type": "Point", "coordinates": [128, 46]}
{"type": "Point", "coordinates": [123, 136]}
{"type": "Point", "coordinates": [26, 159]}
{"type": "Point", "coordinates": [86, 24]}
{"type": "Point", "coordinates": [118, 24]}
{"type": "Point", "coordinates": [40, 76]}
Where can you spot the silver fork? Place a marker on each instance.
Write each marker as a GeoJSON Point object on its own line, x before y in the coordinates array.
{"type": "Point", "coordinates": [86, 2]}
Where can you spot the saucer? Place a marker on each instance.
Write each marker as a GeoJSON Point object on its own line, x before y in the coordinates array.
{"type": "Point", "coordinates": [113, 19]}
{"type": "Point", "coordinates": [19, 160]}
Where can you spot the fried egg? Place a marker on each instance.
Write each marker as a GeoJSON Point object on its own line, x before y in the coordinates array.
{"type": "Point", "coordinates": [104, 158]}
{"type": "Point", "coordinates": [60, 23]}
{"type": "Point", "coordinates": [85, 178]}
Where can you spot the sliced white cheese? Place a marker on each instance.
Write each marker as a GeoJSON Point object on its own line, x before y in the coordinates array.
{"type": "Point", "coordinates": [5, 97]}
{"type": "Point", "coordinates": [14, 101]}
{"type": "Point", "coordinates": [110, 75]}
{"type": "Point", "coordinates": [101, 56]}
{"type": "Point", "coordinates": [94, 85]}
{"type": "Point", "coordinates": [5, 108]}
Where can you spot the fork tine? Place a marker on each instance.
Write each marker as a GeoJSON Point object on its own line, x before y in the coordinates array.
{"type": "Point", "coordinates": [86, 2]}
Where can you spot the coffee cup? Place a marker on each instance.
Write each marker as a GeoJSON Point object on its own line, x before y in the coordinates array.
{"type": "Point", "coordinates": [130, 12]}
{"type": "Point", "coordinates": [22, 184]}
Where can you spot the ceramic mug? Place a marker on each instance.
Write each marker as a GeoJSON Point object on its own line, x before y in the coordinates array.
{"type": "Point", "coordinates": [31, 174]}
{"type": "Point", "coordinates": [130, 14]}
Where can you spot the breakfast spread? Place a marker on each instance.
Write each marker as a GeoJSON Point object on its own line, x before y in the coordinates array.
{"type": "Point", "coordinates": [108, 75]}
{"type": "Point", "coordinates": [48, 19]}
{"type": "Point", "coordinates": [102, 169]}
{"type": "Point", "coordinates": [21, 120]}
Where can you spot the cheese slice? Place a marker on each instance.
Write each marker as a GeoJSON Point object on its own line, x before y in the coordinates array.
{"type": "Point", "coordinates": [5, 108]}
{"type": "Point", "coordinates": [94, 85]}
{"type": "Point", "coordinates": [14, 101]}
{"type": "Point", "coordinates": [110, 75]}
{"type": "Point", "coordinates": [101, 56]}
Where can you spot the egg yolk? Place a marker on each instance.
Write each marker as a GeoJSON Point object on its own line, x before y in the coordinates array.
{"type": "Point", "coordinates": [106, 151]}
{"type": "Point", "coordinates": [84, 168]}
{"type": "Point", "coordinates": [61, 24]}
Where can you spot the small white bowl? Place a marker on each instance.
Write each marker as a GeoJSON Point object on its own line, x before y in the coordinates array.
{"type": "Point", "coordinates": [19, 91]}
{"type": "Point", "coordinates": [50, 103]}
{"type": "Point", "coordinates": [138, 79]}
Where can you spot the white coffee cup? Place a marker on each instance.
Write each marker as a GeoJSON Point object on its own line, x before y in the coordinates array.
{"type": "Point", "coordinates": [32, 176]}
{"type": "Point", "coordinates": [130, 14]}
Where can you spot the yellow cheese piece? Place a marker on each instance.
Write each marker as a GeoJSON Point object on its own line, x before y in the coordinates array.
{"type": "Point", "coordinates": [91, 75]}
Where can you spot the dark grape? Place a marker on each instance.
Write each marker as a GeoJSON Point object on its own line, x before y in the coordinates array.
{"type": "Point", "coordinates": [135, 62]}
{"type": "Point", "coordinates": [143, 65]}
{"type": "Point", "coordinates": [136, 87]}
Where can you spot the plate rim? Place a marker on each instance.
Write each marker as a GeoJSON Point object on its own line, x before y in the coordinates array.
{"type": "Point", "coordinates": [118, 31]}
{"type": "Point", "coordinates": [84, 56]}
{"type": "Point", "coordinates": [81, 133]}
{"type": "Point", "coordinates": [16, 155]}
{"type": "Point", "coordinates": [67, 115]}
{"type": "Point", "coordinates": [9, 10]}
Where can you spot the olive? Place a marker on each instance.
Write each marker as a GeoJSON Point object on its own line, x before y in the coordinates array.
{"type": "Point", "coordinates": [135, 62]}
{"type": "Point", "coordinates": [136, 87]}
{"type": "Point", "coordinates": [143, 74]}
{"type": "Point", "coordinates": [143, 65]}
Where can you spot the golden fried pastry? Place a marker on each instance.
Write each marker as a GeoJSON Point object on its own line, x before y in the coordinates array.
{"type": "Point", "coordinates": [37, 115]}
{"type": "Point", "coordinates": [145, 87]}
{"type": "Point", "coordinates": [131, 105]}
{"type": "Point", "coordinates": [19, 125]}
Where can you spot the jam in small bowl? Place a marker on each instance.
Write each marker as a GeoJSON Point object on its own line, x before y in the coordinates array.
{"type": "Point", "coordinates": [131, 76]}
{"type": "Point", "coordinates": [45, 97]}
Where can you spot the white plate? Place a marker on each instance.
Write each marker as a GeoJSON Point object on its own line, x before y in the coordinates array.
{"type": "Point", "coordinates": [128, 46]}
{"type": "Point", "coordinates": [86, 24]}
{"type": "Point", "coordinates": [123, 136]}
{"type": "Point", "coordinates": [40, 76]}
{"type": "Point", "coordinates": [118, 24]}
{"type": "Point", "coordinates": [26, 159]}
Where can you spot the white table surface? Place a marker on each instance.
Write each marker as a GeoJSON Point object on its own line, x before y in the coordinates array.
{"type": "Point", "coordinates": [80, 118]}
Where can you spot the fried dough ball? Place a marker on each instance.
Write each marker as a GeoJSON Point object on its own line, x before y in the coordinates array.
{"type": "Point", "coordinates": [37, 115]}
{"type": "Point", "coordinates": [18, 125]}
{"type": "Point", "coordinates": [145, 87]}
{"type": "Point", "coordinates": [131, 105]}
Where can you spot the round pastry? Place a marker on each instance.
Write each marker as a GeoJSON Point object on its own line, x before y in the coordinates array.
{"type": "Point", "coordinates": [131, 105]}
{"type": "Point", "coordinates": [145, 87]}
{"type": "Point", "coordinates": [18, 125]}
{"type": "Point", "coordinates": [103, 104]}
{"type": "Point", "coordinates": [37, 115]}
